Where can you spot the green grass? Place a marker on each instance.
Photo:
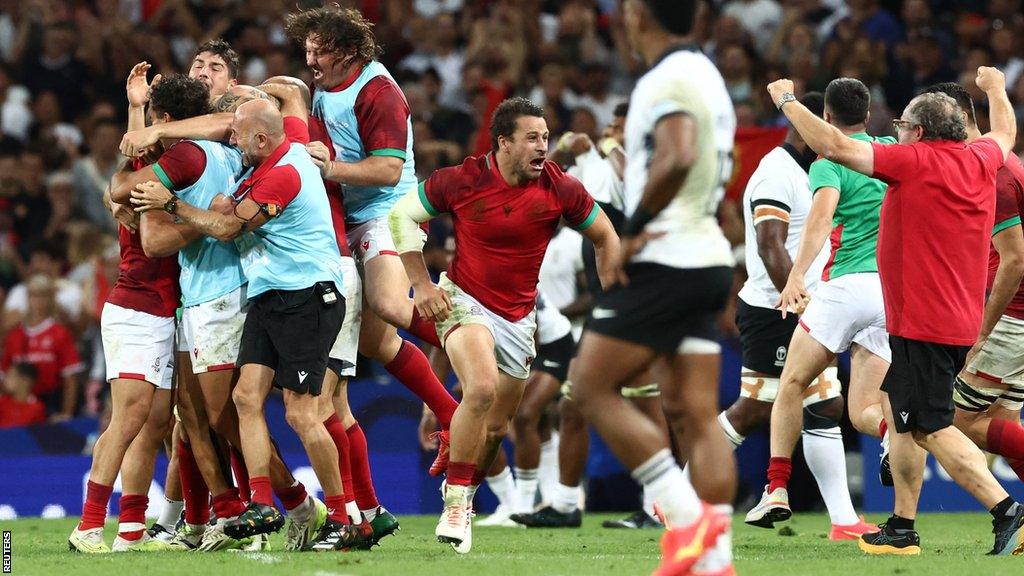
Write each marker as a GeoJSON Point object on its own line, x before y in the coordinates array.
{"type": "Point", "coordinates": [954, 545]}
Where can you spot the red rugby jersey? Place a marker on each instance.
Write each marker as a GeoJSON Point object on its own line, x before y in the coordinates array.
{"type": "Point", "coordinates": [48, 346]}
{"type": "Point", "coordinates": [502, 232]}
{"type": "Point", "coordinates": [1009, 211]}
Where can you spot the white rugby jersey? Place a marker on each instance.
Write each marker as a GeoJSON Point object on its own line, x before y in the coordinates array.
{"type": "Point", "coordinates": [563, 261]}
{"type": "Point", "coordinates": [778, 189]}
{"type": "Point", "coordinates": [683, 81]}
{"type": "Point", "coordinates": [599, 178]}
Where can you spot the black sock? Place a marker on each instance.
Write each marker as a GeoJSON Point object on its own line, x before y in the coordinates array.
{"type": "Point", "coordinates": [899, 523]}
{"type": "Point", "coordinates": [1005, 508]}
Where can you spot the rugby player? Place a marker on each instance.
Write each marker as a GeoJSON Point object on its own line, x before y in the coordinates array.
{"type": "Point", "coordinates": [776, 206]}
{"type": "Point", "coordinates": [846, 311]}
{"type": "Point", "coordinates": [365, 150]}
{"type": "Point", "coordinates": [506, 207]}
{"type": "Point", "coordinates": [676, 269]}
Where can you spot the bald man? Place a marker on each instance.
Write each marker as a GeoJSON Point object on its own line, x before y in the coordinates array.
{"type": "Point", "coordinates": [282, 227]}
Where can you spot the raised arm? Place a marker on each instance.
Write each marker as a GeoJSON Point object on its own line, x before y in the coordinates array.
{"type": "Point", "coordinates": [822, 137]}
{"type": "Point", "coordinates": [1003, 123]}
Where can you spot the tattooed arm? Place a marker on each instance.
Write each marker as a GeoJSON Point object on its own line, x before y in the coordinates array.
{"type": "Point", "coordinates": [238, 95]}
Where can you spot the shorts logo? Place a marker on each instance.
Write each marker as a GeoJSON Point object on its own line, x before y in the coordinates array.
{"type": "Point", "coordinates": [475, 311]}
{"type": "Point", "coordinates": [366, 245]}
{"type": "Point", "coordinates": [529, 360]}
{"type": "Point", "coordinates": [905, 416]}
{"type": "Point", "coordinates": [156, 366]}
{"type": "Point", "coordinates": [780, 356]}
{"type": "Point", "coordinates": [551, 364]}
{"type": "Point", "coordinates": [602, 313]}
{"type": "Point", "coordinates": [302, 376]}
{"type": "Point", "coordinates": [195, 352]}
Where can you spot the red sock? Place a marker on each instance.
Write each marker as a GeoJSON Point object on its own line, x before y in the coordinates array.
{"type": "Point", "coordinates": [227, 504]}
{"type": "Point", "coordinates": [340, 437]}
{"type": "Point", "coordinates": [779, 470]}
{"type": "Point", "coordinates": [1017, 466]}
{"type": "Point", "coordinates": [336, 508]}
{"type": "Point", "coordinates": [461, 473]}
{"type": "Point", "coordinates": [882, 428]}
{"type": "Point", "coordinates": [193, 487]}
{"type": "Point", "coordinates": [412, 369]}
{"type": "Point", "coordinates": [293, 496]}
{"type": "Point", "coordinates": [132, 519]}
{"type": "Point", "coordinates": [259, 486]}
{"type": "Point", "coordinates": [424, 329]}
{"type": "Point", "coordinates": [241, 475]}
{"type": "Point", "coordinates": [1006, 439]}
{"type": "Point", "coordinates": [94, 511]}
{"type": "Point", "coordinates": [362, 478]}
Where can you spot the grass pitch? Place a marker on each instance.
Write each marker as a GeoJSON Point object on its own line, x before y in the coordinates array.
{"type": "Point", "coordinates": [954, 545]}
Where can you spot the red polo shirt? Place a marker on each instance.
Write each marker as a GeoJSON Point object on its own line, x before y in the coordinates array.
{"type": "Point", "coordinates": [933, 238]}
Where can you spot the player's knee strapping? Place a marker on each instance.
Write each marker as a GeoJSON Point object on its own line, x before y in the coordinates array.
{"type": "Point", "coordinates": [971, 398]}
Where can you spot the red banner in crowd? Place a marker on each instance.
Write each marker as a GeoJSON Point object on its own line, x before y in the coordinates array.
{"type": "Point", "coordinates": [751, 145]}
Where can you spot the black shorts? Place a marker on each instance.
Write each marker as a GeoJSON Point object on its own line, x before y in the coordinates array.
{"type": "Point", "coordinates": [764, 336]}
{"type": "Point", "coordinates": [920, 383]}
{"type": "Point", "coordinates": [291, 331]}
{"type": "Point", "coordinates": [554, 357]}
{"type": "Point", "coordinates": [661, 306]}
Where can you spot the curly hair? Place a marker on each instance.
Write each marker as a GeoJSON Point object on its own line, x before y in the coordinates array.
{"type": "Point", "coordinates": [939, 117]}
{"type": "Point", "coordinates": [958, 93]}
{"type": "Point", "coordinates": [180, 97]}
{"type": "Point", "coordinates": [337, 30]}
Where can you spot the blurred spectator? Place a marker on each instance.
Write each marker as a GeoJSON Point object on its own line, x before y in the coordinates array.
{"type": "Point", "coordinates": [594, 92]}
{"type": "Point", "coordinates": [15, 113]}
{"type": "Point", "coordinates": [18, 405]}
{"type": "Point", "coordinates": [759, 18]}
{"type": "Point", "coordinates": [438, 50]}
{"type": "Point", "coordinates": [92, 173]}
{"type": "Point", "coordinates": [46, 259]}
{"type": "Point", "coordinates": [55, 68]}
{"type": "Point", "coordinates": [42, 341]}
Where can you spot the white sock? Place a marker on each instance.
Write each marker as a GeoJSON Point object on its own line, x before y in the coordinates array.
{"type": "Point", "coordinates": [823, 450]}
{"type": "Point", "coordinates": [719, 556]}
{"type": "Point", "coordinates": [504, 487]}
{"type": "Point", "coordinates": [171, 513]}
{"type": "Point", "coordinates": [548, 473]}
{"type": "Point", "coordinates": [565, 499]}
{"type": "Point", "coordinates": [368, 514]}
{"type": "Point", "coordinates": [526, 489]}
{"type": "Point", "coordinates": [471, 493]}
{"type": "Point", "coordinates": [649, 502]}
{"type": "Point", "coordinates": [735, 437]}
{"type": "Point", "coordinates": [355, 516]}
{"type": "Point", "coordinates": [662, 478]}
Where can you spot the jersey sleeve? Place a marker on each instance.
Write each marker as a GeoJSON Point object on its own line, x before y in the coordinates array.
{"type": "Point", "coordinates": [295, 130]}
{"type": "Point", "coordinates": [990, 153]}
{"type": "Point", "coordinates": [770, 199]}
{"type": "Point", "coordinates": [279, 187]}
{"type": "Point", "coordinates": [824, 174]}
{"type": "Point", "coordinates": [437, 190]}
{"type": "Point", "coordinates": [894, 161]}
{"type": "Point", "coordinates": [383, 117]}
{"type": "Point", "coordinates": [181, 165]}
{"type": "Point", "coordinates": [1007, 209]}
{"type": "Point", "coordinates": [578, 207]}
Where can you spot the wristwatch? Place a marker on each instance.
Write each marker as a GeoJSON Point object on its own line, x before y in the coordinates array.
{"type": "Point", "coordinates": [171, 206]}
{"type": "Point", "coordinates": [786, 98]}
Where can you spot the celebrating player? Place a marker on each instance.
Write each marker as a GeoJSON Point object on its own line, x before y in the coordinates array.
{"type": "Point", "coordinates": [506, 206]}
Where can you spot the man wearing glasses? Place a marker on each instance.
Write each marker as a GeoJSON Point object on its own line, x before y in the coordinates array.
{"type": "Point", "coordinates": [933, 244]}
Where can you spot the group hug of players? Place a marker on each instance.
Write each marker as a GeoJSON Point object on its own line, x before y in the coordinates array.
{"type": "Point", "coordinates": [272, 214]}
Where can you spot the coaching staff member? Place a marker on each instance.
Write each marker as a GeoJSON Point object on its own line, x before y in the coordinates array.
{"type": "Point", "coordinates": [934, 231]}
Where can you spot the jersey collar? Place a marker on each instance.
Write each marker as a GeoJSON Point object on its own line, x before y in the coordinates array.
{"type": "Point", "coordinates": [804, 160]}
{"type": "Point", "coordinates": [267, 163]}
{"type": "Point", "coordinates": [682, 47]}
{"type": "Point", "coordinates": [350, 79]}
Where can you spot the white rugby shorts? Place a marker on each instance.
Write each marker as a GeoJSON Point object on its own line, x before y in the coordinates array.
{"type": "Point", "coordinates": [137, 345]}
{"type": "Point", "coordinates": [213, 331]}
{"type": "Point", "coordinates": [848, 310]}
